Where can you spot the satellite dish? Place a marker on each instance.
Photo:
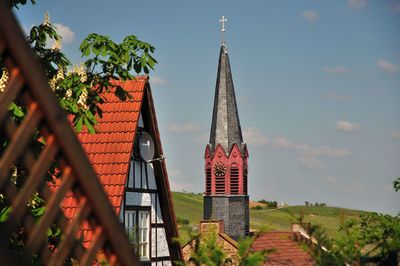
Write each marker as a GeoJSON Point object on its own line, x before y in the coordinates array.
{"type": "Point", "coordinates": [146, 146]}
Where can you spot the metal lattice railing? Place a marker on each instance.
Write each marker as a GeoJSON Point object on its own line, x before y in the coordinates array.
{"type": "Point", "coordinates": [57, 170]}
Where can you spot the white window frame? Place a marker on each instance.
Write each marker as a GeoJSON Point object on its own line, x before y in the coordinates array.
{"type": "Point", "coordinates": [143, 243]}
{"type": "Point", "coordinates": [137, 227]}
{"type": "Point", "coordinates": [130, 225]}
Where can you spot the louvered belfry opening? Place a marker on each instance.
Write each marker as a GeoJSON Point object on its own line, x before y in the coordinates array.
{"type": "Point", "coordinates": [245, 181]}
{"type": "Point", "coordinates": [208, 179]}
{"type": "Point", "coordinates": [41, 165]}
{"type": "Point", "coordinates": [234, 184]}
{"type": "Point", "coordinates": [220, 184]}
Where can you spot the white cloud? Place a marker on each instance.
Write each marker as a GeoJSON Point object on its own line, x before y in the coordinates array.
{"type": "Point", "coordinates": [309, 163]}
{"type": "Point", "coordinates": [337, 69]}
{"type": "Point", "coordinates": [347, 126]}
{"type": "Point", "coordinates": [387, 66]}
{"type": "Point", "coordinates": [66, 33]}
{"type": "Point", "coordinates": [338, 97]}
{"type": "Point", "coordinates": [310, 15]}
{"type": "Point", "coordinates": [157, 80]}
{"type": "Point", "coordinates": [344, 184]}
{"type": "Point", "coordinates": [175, 176]}
{"type": "Point", "coordinates": [281, 142]}
{"type": "Point", "coordinates": [254, 136]}
{"type": "Point", "coordinates": [185, 128]}
{"type": "Point", "coordinates": [307, 156]}
{"type": "Point", "coordinates": [353, 187]}
{"type": "Point", "coordinates": [357, 4]}
{"type": "Point", "coordinates": [325, 151]}
{"type": "Point", "coordinates": [203, 138]}
{"type": "Point", "coordinates": [396, 134]}
{"type": "Point", "coordinates": [331, 179]}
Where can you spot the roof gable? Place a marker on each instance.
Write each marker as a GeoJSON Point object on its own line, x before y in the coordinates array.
{"type": "Point", "coordinates": [110, 149]}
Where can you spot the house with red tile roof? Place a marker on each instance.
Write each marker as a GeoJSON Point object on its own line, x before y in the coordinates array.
{"type": "Point", "coordinates": [286, 248]}
{"type": "Point", "coordinates": [216, 228]}
{"type": "Point", "coordinates": [127, 155]}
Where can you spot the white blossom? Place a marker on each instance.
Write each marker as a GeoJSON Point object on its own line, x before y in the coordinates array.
{"type": "Point", "coordinates": [46, 21]}
{"type": "Point", "coordinates": [82, 100]}
{"type": "Point", "coordinates": [57, 45]}
{"type": "Point", "coordinates": [81, 72]}
{"type": "Point", "coordinates": [4, 79]}
{"type": "Point", "coordinates": [56, 78]}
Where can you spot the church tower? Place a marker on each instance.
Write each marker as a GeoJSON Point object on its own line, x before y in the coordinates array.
{"type": "Point", "coordinates": [226, 156]}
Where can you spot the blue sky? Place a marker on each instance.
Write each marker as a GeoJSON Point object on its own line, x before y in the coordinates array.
{"type": "Point", "coordinates": [317, 83]}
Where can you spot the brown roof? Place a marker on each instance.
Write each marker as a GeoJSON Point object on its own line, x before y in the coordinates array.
{"type": "Point", "coordinates": [287, 250]}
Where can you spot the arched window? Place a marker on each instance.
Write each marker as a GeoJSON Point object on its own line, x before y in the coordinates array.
{"type": "Point", "coordinates": [208, 179]}
{"type": "Point", "coordinates": [234, 173]}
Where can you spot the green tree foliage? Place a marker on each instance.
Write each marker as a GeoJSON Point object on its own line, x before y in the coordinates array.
{"type": "Point", "coordinates": [396, 184]}
{"type": "Point", "coordinates": [79, 90]}
{"type": "Point", "coordinates": [207, 251]}
{"type": "Point", "coordinates": [249, 257]}
{"type": "Point", "coordinates": [373, 238]}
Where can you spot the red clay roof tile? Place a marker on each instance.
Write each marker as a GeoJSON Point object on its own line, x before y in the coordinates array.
{"type": "Point", "coordinates": [286, 249]}
{"type": "Point", "coordinates": [109, 150]}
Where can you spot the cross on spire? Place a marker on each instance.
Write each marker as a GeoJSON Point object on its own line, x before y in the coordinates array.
{"type": "Point", "coordinates": [223, 20]}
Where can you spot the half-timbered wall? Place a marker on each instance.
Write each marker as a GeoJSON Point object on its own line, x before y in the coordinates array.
{"type": "Point", "coordinates": [141, 213]}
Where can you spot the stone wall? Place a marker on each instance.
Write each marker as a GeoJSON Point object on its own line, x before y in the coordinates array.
{"type": "Point", "coordinates": [233, 210]}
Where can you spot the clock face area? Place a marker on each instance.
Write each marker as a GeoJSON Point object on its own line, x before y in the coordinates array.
{"type": "Point", "coordinates": [146, 146]}
{"type": "Point", "coordinates": [219, 169]}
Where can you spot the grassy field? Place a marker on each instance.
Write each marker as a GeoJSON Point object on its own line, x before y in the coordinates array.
{"type": "Point", "coordinates": [189, 206]}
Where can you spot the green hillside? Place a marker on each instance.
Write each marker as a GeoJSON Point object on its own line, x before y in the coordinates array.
{"type": "Point", "coordinates": [189, 209]}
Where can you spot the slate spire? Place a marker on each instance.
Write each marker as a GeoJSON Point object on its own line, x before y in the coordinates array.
{"type": "Point", "coordinates": [225, 126]}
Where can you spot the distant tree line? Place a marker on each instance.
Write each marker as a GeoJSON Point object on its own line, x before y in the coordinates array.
{"type": "Point", "coordinates": [317, 204]}
{"type": "Point", "coordinates": [269, 204]}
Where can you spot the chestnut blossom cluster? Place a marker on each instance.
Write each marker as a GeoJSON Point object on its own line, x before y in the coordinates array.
{"type": "Point", "coordinates": [68, 93]}
{"type": "Point", "coordinates": [46, 21]}
{"type": "Point", "coordinates": [4, 79]}
{"type": "Point", "coordinates": [57, 45]}
{"type": "Point", "coordinates": [81, 72]}
{"type": "Point", "coordinates": [58, 77]}
{"type": "Point", "coordinates": [82, 100]}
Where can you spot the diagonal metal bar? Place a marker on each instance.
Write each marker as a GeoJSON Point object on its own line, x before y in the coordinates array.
{"type": "Point", "coordinates": [37, 235]}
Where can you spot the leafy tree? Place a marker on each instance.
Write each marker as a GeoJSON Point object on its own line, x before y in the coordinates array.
{"type": "Point", "coordinates": [207, 251]}
{"type": "Point", "coordinates": [373, 238]}
{"type": "Point", "coordinates": [396, 184]}
{"type": "Point", "coordinates": [79, 90]}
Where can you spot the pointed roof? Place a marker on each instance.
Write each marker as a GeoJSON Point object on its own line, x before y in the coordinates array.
{"type": "Point", "coordinates": [225, 126]}
{"type": "Point", "coordinates": [109, 152]}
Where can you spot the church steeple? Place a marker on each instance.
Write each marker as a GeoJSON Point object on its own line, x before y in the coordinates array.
{"type": "Point", "coordinates": [226, 155]}
{"type": "Point", "coordinates": [225, 125]}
